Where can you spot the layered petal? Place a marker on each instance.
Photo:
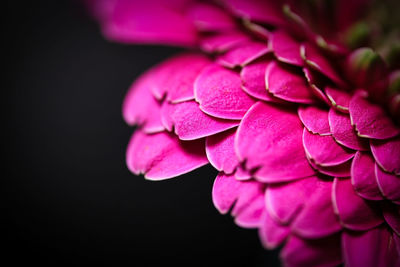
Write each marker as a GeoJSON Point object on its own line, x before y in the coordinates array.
{"type": "Point", "coordinates": [315, 119]}
{"type": "Point", "coordinates": [243, 54]}
{"type": "Point", "coordinates": [207, 17]}
{"type": "Point", "coordinates": [272, 233]}
{"type": "Point", "coordinates": [339, 99]}
{"type": "Point", "coordinates": [286, 49]}
{"type": "Point", "coordinates": [389, 184]}
{"type": "Point", "coordinates": [387, 154]}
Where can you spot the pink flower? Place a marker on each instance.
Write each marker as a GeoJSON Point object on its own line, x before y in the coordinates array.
{"type": "Point", "coordinates": [301, 127]}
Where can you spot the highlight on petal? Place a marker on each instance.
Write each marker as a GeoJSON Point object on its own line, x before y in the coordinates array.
{"type": "Point", "coordinates": [324, 151]}
{"type": "Point", "coordinates": [387, 154]}
{"type": "Point", "coordinates": [208, 17]}
{"type": "Point", "coordinates": [389, 184]}
{"type": "Point", "coordinates": [315, 119]}
{"type": "Point", "coordinates": [220, 151]}
{"type": "Point", "coordinates": [243, 54]}
{"type": "Point", "coordinates": [344, 133]}
{"type": "Point", "coordinates": [370, 120]}
{"type": "Point", "coordinates": [286, 49]}
{"type": "Point", "coordinates": [363, 176]}
{"type": "Point", "coordinates": [355, 213]}
{"type": "Point", "coordinates": [225, 192]}
{"type": "Point", "coordinates": [316, 83]}
{"type": "Point", "coordinates": [219, 92]}
{"type": "Point", "coordinates": [371, 248]}
{"type": "Point", "coordinates": [284, 83]}
{"type": "Point", "coordinates": [276, 155]}
{"type": "Point", "coordinates": [339, 99]}
{"type": "Point", "coordinates": [191, 123]}
{"type": "Point", "coordinates": [341, 170]}
{"type": "Point", "coordinates": [162, 155]}
{"type": "Point", "coordinates": [272, 233]}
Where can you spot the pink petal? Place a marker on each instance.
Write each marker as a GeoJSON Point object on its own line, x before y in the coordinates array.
{"type": "Point", "coordinates": [208, 17]}
{"type": "Point", "coordinates": [342, 170]}
{"type": "Point", "coordinates": [253, 81]}
{"type": "Point", "coordinates": [317, 219]}
{"type": "Point", "coordinates": [324, 151]}
{"type": "Point", "coordinates": [223, 41]}
{"type": "Point", "coordinates": [191, 123]}
{"type": "Point", "coordinates": [389, 184]}
{"type": "Point", "coordinates": [251, 215]}
{"type": "Point", "coordinates": [242, 173]}
{"type": "Point", "coordinates": [269, 138]}
{"type": "Point", "coordinates": [315, 82]}
{"type": "Point", "coordinates": [344, 133]}
{"type": "Point", "coordinates": [147, 22]}
{"type": "Point", "coordinates": [220, 151]}
{"type": "Point", "coordinates": [387, 154]}
{"type": "Point", "coordinates": [243, 54]}
{"type": "Point", "coordinates": [314, 59]}
{"type": "Point", "coordinates": [286, 49]}
{"type": "Point", "coordinates": [338, 98]}
{"type": "Point", "coordinates": [321, 252]}
{"type": "Point", "coordinates": [373, 248]}
{"type": "Point", "coordinates": [315, 119]}
{"type": "Point", "coordinates": [391, 213]}
{"type": "Point", "coordinates": [363, 176]}
{"type": "Point", "coordinates": [225, 192]}
{"type": "Point", "coordinates": [271, 233]}
{"type": "Point", "coordinates": [285, 83]}
{"type": "Point", "coordinates": [371, 120]}
{"type": "Point", "coordinates": [162, 155]}
{"type": "Point", "coordinates": [258, 30]}
{"type": "Point", "coordinates": [354, 212]}
{"type": "Point", "coordinates": [219, 92]}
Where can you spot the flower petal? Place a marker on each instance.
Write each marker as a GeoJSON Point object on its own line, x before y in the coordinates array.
{"type": "Point", "coordinates": [338, 98]}
{"type": "Point", "coordinates": [162, 155]}
{"type": "Point", "coordinates": [225, 192]}
{"type": "Point", "coordinates": [324, 151]}
{"type": "Point", "coordinates": [372, 248]}
{"type": "Point", "coordinates": [387, 154]}
{"type": "Point", "coordinates": [243, 54]}
{"type": "Point", "coordinates": [208, 17]}
{"type": "Point", "coordinates": [222, 42]}
{"type": "Point", "coordinates": [251, 215]}
{"type": "Point", "coordinates": [219, 92]}
{"type": "Point", "coordinates": [191, 123]}
{"type": "Point", "coordinates": [269, 138]}
{"type": "Point", "coordinates": [341, 170]}
{"type": "Point", "coordinates": [271, 233]}
{"type": "Point", "coordinates": [220, 151]}
{"type": "Point", "coordinates": [286, 49]}
{"type": "Point", "coordinates": [354, 212]}
{"type": "Point", "coordinates": [371, 120]}
{"type": "Point", "coordinates": [315, 119]}
{"type": "Point", "coordinates": [344, 133]}
{"type": "Point", "coordinates": [363, 176]}
{"type": "Point", "coordinates": [389, 184]}
{"type": "Point", "coordinates": [391, 213]}
{"type": "Point", "coordinates": [283, 82]}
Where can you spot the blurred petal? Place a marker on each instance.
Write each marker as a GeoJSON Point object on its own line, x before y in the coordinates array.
{"type": "Point", "coordinates": [222, 42]}
{"type": "Point", "coordinates": [207, 17]}
{"type": "Point", "coordinates": [243, 54]}
{"type": "Point", "coordinates": [391, 213]}
{"type": "Point", "coordinates": [389, 184]}
{"type": "Point", "coordinates": [286, 49]}
{"type": "Point", "coordinates": [271, 233]}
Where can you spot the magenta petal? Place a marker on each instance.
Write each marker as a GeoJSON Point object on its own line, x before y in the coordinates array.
{"type": "Point", "coordinates": [317, 219]}
{"type": "Point", "coordinates": [162, 155]}
{"type": "Point", "coordinates": [219, 92]}
{"type": "Point", "coordinates": [225, 192]}
{"type": "Point", "coordinates": [338, 98]}
{"type": "Point", "coordinates": [371, 120]}
{"type": "Point", "coordinates": [243, 54]}
{"type": "Point", "coordinates": [315, 85]}
{"type": "Point", "coordinates": [283, 82]}
{"type": "Point", "coordinates": [387, 154]}
{"type": "Point", "coordinates": [391, 213]}
{"type": "Point", "coordinates": [259, 140]}
{"type": "Point", "coordinates": [251, 215]}
{"type": "Point", "coordinates": [342, 170]}
{"type": "Point", "coordinates": [314, 59]}
{"type": "Point", "coordinates": [324, 151]}
{"type": "Point", "coordinates": [221, 151]}
{"type": "Point", "coordinates": [242, 173]}
{"type": "Point", "coordinates": [286, 49]}
{"type": "Point", "coordinates": [363, 176]}
{"type": "Point", "coordinates": [253, 81]}
{"type": "Point", "coordinates": [354, 212]}
{"type": "Point", "coordinates": [372, 248]}
{"type": "Point", "coordinates": [315, 119]}
{"type": "Point", "coordinates": [299, 252]}
{"type": "Point", "coordinates": [389, 184]}
{"type": "Point", "coordinates": [191, 123]}
{"type": "Point", "coordinates": [284, 201]}
{"type": "Point", "coordinates": [344, 133]}
{"type": "Point", "coordinates": [271, 233]}
{"type": "Point", "coordinates": [222, 42]}
{"type": "Point", "coordinates": [208, 17]}
{"type": "Point", "coordinates": [147, 22]}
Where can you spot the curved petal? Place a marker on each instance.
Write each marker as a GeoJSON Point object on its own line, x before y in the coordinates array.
{"type": "Point", "coordinates": [389, 184]}
{"type": "Point", "coordinates": [271, 233]}
{"type": "Point", "coordinates": [387, 154]}
{"type": "Point", "coordinates": [344, 133]}
{"type": "Point", "coordinates": [219, 92]}
{"type": "Point", "coordinates": [363, 176]}
{"type": "Point", "coordinates": [371, 120]}
{"type": "Point", "coordinates": [315, 81]}
{"type": "Point", "coordinates": [284, 83]}
{"type": "Point", "coordinates": [220, 151]}
{"type": "Point", "coordinates": [250, 216]}
{"type": "Point", "coordinates": [354, 212]}
{"type": "Point", "coordinates": [269, 138]}
{"type": "Point", "coordinates": [286, 49]}
{"type": "Point", "coordinates": [162, 155]}
{"type": "Point", "coordinates": [373, 248]}
{"type": "Point", "coordinates": [391, 213]}
{"type": "Point", "coordinates": [315, 119]}
{"type": "Point", "coordinates": [208, 17]}
{"type": "Point", "coordinates": [342, 170]}
{"type": "Point", "coordinates": [222, 42]}
{"type": "Point", "coordinates": [243, 54]}
{"type": "Point", "coordinates": [338, 98]}
{"type": "Point", "coordinates": [225, 192]}
{"type": "Point", "coordinates": [324, 151]}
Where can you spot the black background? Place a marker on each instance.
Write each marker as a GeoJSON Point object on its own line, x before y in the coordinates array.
{"type": "Point", "coordinates": [69, 197]}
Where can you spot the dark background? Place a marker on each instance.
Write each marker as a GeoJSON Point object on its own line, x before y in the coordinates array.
{"type": "Point", "coordinates": [69, 197]}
